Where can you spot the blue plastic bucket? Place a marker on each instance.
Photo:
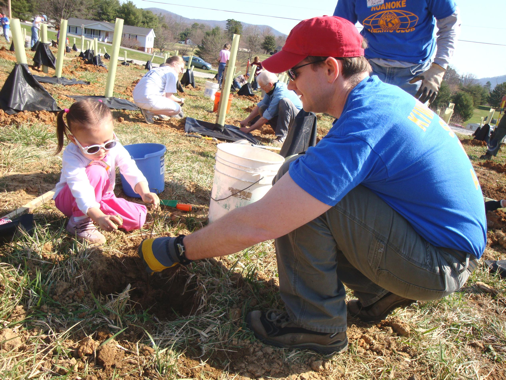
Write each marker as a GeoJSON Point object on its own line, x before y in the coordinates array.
{"type": "Point", "coordinates": [150, 159]}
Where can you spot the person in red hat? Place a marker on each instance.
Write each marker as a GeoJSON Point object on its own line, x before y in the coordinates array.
{"type": "Point", "coordinates": [372, 206]}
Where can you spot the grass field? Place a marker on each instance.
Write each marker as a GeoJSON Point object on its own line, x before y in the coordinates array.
{"type": "Point", "coordinates": [73, 311]}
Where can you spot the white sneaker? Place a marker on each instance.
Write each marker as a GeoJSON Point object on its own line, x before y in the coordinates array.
{"type": "Point", "coordinates": [85, 230]}
{"type": "Point", "coordinates": [148, 116]}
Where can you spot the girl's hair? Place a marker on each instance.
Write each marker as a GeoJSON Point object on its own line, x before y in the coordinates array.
{"type": "Point", "coordinates": [256, 59]}
{"type": "Point", "coordinates": [226, 46]}
{"type": "Point", "coordinates": [84, 114]}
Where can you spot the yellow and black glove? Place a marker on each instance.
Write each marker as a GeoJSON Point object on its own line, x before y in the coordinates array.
{"type": "Point", "coordinates": [162, 253]}
{"type": "Point", "coordinates": [431, 81]}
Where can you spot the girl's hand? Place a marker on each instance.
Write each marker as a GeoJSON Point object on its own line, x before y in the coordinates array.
{"type": "Point", "coordinates": [151, 198]}
{"type": "Point", "coordinates": [109, 222]}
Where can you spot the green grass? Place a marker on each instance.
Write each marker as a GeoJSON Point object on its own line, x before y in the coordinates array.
{"type": "Point", "coordinates": [478, 113]}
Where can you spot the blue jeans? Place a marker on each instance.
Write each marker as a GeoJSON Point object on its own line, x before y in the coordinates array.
{"type": "Point", "coordinates": [363, 243]}
{"type": "Point", "coordinates": [400, 76]}
{"type": "Point", "coordinates": [6, 34]}
{"type": "Point", "coordinates": [221, 69]}
{"type": "Point", "coordinates": [35, 36]}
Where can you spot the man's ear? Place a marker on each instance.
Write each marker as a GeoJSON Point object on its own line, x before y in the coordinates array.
{"type": "Point", "coordinates": [332, 69]}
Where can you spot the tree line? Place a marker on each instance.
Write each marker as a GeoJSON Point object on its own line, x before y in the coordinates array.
{"type": "Point", "coordinates": [467, 94]}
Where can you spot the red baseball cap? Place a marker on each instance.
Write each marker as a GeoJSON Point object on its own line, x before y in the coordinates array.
{"type": "Point", "coordinates": [326, 36]}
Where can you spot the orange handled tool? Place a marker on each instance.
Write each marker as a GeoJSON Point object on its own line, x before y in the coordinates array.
{"type": "Point", "coordinates": [176, 204]}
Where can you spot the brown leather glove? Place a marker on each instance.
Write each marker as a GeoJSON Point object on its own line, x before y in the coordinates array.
{"type": "Point", "coordinates": [431, 80]}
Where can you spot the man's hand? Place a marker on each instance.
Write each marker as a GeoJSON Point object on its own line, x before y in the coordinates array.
{"type": "Point", "coordinates": [151, 198]}
{"type": "Point", "coordinates": [245, 129]}
{"type": "Point", "coordinates": [431, 80]}
{"type": "Point", "coordinates": [162, 253]}
{"type": "Point", "coordinates": [244, 123]}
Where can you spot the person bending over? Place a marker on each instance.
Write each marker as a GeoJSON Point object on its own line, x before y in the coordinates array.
{"type": "Point", "coordinates": [155, 94]}
{"type": "Point", "coordinates": [278, 108]}
{"type": "Point", "coordinates": [372, 206]}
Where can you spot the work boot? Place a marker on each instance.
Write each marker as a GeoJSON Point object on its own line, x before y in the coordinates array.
{"type": "Point", "coordinates": [274, 328]}
{"type": "Point", "coordinates": [486, 157]}
{"type": "Point", "coordinates": [85, 230]}
{"type": "Point", "coordinates": [378, 310]}
{"type": "Point", "coordinates": [148, 116]}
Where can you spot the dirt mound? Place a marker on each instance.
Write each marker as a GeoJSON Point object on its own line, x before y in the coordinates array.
{"type": "Point", "coordinates": [4, 54]}
{"type": "Point", "coordinates": [473, 142]}
{"type": "Point", "coordinates": [27, 117]}
{"type": "Point", "coordinates": [499, 168]}
{"type": "Point", "coordinates": [167, 295]}
{"type": "Point", "coordinates": [90, 68]}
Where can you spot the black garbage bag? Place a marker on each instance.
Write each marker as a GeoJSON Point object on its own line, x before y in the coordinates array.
{"type": "Point", "coordinates": [54, 43]}
{"type": "Point", "coordinates": [87, 55]}
{"type": "Point", "coordinates": [61, 80]}
{"type": "Point", "coordinates": [35, 45]}
{"type": "Point", "coordinates": [12, 46]}
{"type": "Point", "coordinates": [301, 135]}
{"type": "Point", "coordinates": [188, 79]}
{"type": "Point", "coordinates": [179, 87]}
{"type": "Point", "coordinates": [44, 57]}
{"type": "Point", "coordinates": [107, 56]}
{"type": "Point", "coordinates": [97, 61]}
{"type": "Point", "coordinates": [125, 63]}
{"type": "Point", "coordinates": [8, 230]}
{"type": "Point", "coordinates": [112, 103]}
{"type": "Point", "coordinates": [22, 92]}
{"type": "Point", "coordinates": [74, 47]}
{"type": "Point", "coordinates": [148, 65]}
{"type": "Point", "coordinates": [246, 90]}
{"type": "Point", "coordinates": [229, 132]}
{"type": "Point", "coordinates": [482, 133]}
{"type": "Point", "coordinates": [68, 49]}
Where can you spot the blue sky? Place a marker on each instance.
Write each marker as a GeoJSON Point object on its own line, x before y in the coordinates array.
{"type": "Point", "coordinates": [482, 21]}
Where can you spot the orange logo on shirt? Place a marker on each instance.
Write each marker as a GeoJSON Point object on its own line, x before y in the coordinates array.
{"type": "Point", "coordinates": [391, 21]}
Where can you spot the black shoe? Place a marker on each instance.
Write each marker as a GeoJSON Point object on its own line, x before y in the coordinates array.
{"type": "Point", "coordinates": [378, 310]}
{"type": "Point", "coordinates": [486, 157]}
{"type": "Point", "coordinates": [274, 328]}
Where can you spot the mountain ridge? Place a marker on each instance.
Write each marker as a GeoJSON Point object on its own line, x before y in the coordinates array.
{"type": "Point", "coordinates": [212, 23]}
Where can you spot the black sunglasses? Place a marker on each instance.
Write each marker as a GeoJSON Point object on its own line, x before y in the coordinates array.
{"type": "Point", "coordinates": [293, 75]}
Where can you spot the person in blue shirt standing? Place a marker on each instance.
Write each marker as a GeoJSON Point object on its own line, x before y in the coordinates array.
{"type": "Point", "coordinates": [401, 41]}
{"type": "Point", "coordinates": [6, 27]}
{"type": "Point", "coordinates": [372, 206]}
{"type": "Point", "coordinates": [278, 108]}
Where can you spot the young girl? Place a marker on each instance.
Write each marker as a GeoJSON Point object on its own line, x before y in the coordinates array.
{"type": "Point", "coordinates": [85, 191]}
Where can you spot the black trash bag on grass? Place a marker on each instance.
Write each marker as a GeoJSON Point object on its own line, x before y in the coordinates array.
{"type": "Point", "coordinates": [44, 57]}
{"type": "Point", "coordinates": [22, 92]}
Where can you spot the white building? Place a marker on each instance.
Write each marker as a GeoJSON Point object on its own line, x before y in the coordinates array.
{"type": "Point", "coordinates": [144, 38]}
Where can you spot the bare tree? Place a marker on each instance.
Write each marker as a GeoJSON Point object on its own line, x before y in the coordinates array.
{"type": "Point", "coordinates": [164, 39]}
{"type": "Point", "coordinates": [468, 79]}
{"type": "Point", "coordinates": [63, 9]}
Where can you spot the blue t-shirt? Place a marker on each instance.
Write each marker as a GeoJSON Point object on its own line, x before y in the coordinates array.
{"type": "Point", "coordinates": [392, 144]}
{"type": "Point", "coordinates": [272, 101]}
{"type": "Point", "coordinates": [401, 30]}
{"type": "Point", "coordinates": [5, 23]}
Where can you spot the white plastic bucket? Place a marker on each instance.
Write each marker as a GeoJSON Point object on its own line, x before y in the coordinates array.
{"type": "Point", "coordinates": [211, 89]}
{"type": "Point", "coordinates": [242, 175]}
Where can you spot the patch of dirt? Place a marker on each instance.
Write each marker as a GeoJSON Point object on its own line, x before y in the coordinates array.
{"type": "Point", "coordinates": [27, 117]}
{"type": "Point", "coordinates": [168, 294]}
{"type": "Point", "coordinates": [7, 55]}
{"type": "Point", "coordinates": [90, 68]}
{"type": "Point", "coordinates": [473, 142]}
{"type": "Point", "coordinates": [499, 168]}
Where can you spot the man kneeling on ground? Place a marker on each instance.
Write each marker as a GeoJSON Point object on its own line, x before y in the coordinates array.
{"type": "Point", "coordinates": [278, 108]}
{"type": "Point", "coordinates": [372, 206]}
{"type": "Point", "coordinates": [155, 94]}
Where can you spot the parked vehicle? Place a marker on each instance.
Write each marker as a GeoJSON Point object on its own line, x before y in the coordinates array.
{"type": "Point", "coordinates": [199, 63]}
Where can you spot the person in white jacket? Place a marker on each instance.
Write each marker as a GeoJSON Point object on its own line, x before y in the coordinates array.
{"type": "Point", "coordinates": [85, 191]}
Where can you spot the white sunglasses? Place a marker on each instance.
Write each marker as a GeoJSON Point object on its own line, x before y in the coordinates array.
{"type": "Point", "coordinates": [94, 149]}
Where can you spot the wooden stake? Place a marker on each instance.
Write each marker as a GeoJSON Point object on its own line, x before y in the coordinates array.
{"type": "Point", "coordinates": [31, 205]}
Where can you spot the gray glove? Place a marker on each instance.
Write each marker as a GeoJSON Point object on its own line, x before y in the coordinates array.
{"type": "Point", "coordinates": [431, 80]}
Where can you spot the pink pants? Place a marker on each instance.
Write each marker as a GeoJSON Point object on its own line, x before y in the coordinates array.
{"type": "Point", "coordinates": [133, 214]}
